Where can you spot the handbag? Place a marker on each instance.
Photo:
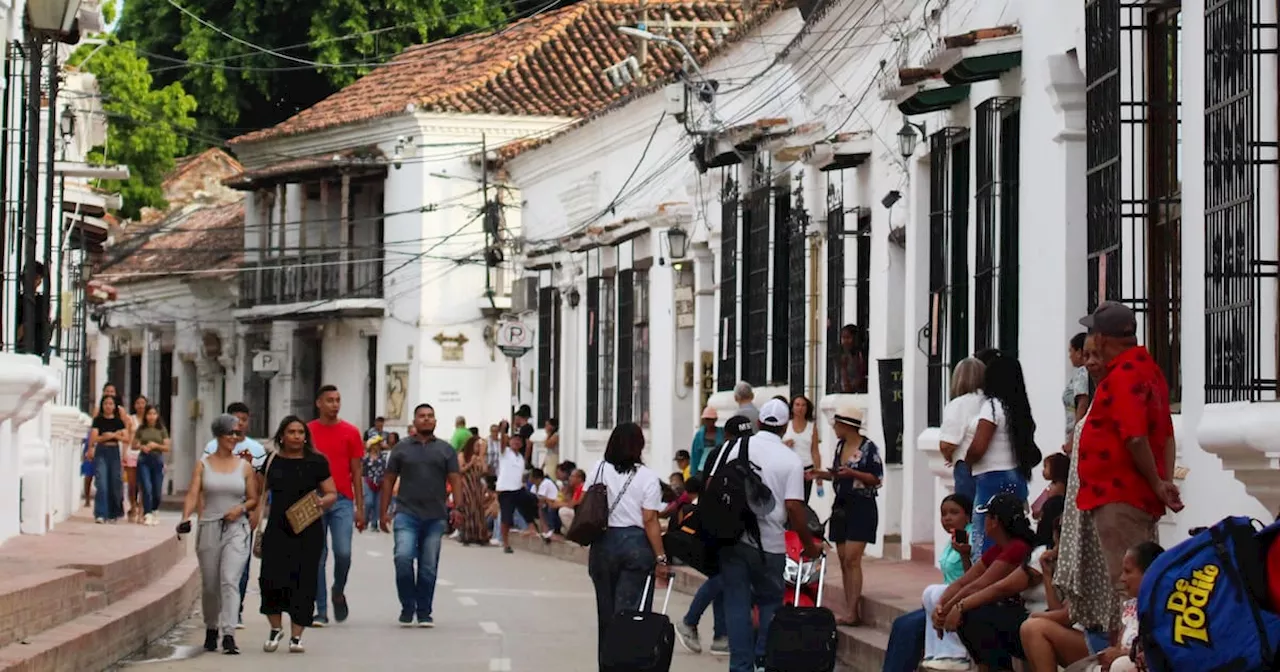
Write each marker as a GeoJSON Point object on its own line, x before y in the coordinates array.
{"type": "Point", "coordinates": [304, 512]}
{"type": "Point", "coordinates": [262, 503]}
{"type": "Point", "coordinates": [591, 518]}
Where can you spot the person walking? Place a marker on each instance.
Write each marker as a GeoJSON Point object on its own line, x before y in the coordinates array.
{"type": "Point", "coordinates": [856, 473]}
{"type": "Point", "coordinates": [374, 467]}
{"type": "Point", "coordinates": [223, 491]}
{"type": "Point", "coordinates": [131, 454]}
{"type": "Point", "coordinates": [631, 549]}
{"type": "Point", "coordinates": [255, 454]}
{"type": "Point", "coordinates": [460, 434]}
{"type": "Point", "coordinates": [152, 442]}
{"type": "Point", "coordinates": [472, 465]}
{"type": "Point", "coordinates": [422, 466]}
{"type": "Point", "coordinates": [290, 570]}
{"type": "Point", "coordinates": [339, 441]}
{"type": "Point", "coordinates": [109, 434]}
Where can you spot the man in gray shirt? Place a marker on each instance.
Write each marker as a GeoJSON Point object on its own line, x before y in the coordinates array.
{"type": "Point", "coordinates": [745, 398]}
{"type": "Point", "coordinates": [423, 465]}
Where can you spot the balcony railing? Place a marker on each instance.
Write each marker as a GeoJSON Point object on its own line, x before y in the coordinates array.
{"type": "Point", "coordinates": [314, 277]}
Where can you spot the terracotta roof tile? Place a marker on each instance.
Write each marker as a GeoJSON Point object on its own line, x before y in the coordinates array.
{"type": "Point", "coordinates": [548, 65]}
{"type": "Point", "coordinates": [206, 239]}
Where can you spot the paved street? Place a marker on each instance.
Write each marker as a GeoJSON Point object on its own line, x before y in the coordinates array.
{"type": "Point", "coordinates": [493, 612]}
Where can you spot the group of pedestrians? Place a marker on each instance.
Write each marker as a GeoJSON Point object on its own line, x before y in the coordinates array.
{"type": "Point", "coordinates": [124, 460]}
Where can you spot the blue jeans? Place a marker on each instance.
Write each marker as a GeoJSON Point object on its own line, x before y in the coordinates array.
{"type": "Point", "coordinates": [710, 593]}
{"type": "Point", "coordinates": [371, 504]}
{"type": "Point", "coordinates": [906, 642]}
{"type": "Point", "coordinates": [417, 539]}
{"type": "Point", "coordinates": [151, 480]}
{"type": "Point", "coordinates": [964, 481]}
{"type": "Point", "coordinates": [108, 501]}
{"type": "Point", "coordinates": [988, 485]}
{"type": "Point", "coordinates": [1096, 641]}
{"type": "Point", "coordinates": [339, 523]}
{"type": "Point", "coordinates": [749, 577]}
{"type": "Point", "coordinates": [619, 563]}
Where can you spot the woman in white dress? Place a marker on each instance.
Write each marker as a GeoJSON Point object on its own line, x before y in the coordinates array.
{"type": "Point", "coordinates": [802, 437]}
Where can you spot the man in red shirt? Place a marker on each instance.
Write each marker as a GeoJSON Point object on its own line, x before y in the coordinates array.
{"type": "Point", "coordinates": [340, 442]}
{"type": "Point", "coordinates": [1127, 447]}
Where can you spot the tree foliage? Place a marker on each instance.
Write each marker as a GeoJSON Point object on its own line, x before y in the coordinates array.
{"type": "Point", "coordinates": [147, 126]}
{"type": "Point", "coordinates": [242, 87]}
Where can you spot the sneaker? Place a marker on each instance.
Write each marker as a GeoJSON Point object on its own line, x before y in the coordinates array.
{"type": "Point", "coordinates": [426, 622]}
{"type": "Point", "coordinates": [495, 542]}
{"type": "Point", "coordinates": [210, 640]}
{"type": "Point", "coordinates": [240, 625]}
{"type": "Point", "coordinates": [456, 534]}
{"type": "Point", "coordinates": [273, 641]}
{"type": "Point", "coordinates": [687, 635]}
{"type": "Point", "coordinates": [946, 664]}
{"type": "Point", "coordinates": [340, 610]}
{"type": "Point", "coordinates": [295, 645]}
{"type": "Point", "coordinates": [320, 622]}
{"type": "Point", "coordinates": [149, 519]}
{"type": "Point", "coordinates": [229, 646]}
{"type": "Point", "coordinates": [99, 520]}
{"type": "Point", "coordinates": [507, 550]}
{"type": "Point", "coordinates": [720, 646]}
{"type": "Point", "coordinates": [406, 619]}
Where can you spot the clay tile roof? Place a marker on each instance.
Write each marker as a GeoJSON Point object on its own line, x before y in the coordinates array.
{"type": "Point", "coordinates": [549, 65]}
{"type": "Point", "coordinates": [205, 239]}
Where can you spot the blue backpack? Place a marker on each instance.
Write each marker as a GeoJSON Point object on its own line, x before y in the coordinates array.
{"type": "Point", "coordinates": [1201, 603]}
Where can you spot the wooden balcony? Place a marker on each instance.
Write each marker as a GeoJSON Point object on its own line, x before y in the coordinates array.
{"type": "Point", "coordinates": [311, 278]}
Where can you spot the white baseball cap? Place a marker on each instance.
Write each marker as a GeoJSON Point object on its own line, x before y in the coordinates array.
{"type": "Point", "coordinates": [774, 413]}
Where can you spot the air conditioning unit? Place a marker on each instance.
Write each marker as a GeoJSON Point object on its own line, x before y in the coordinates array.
{"type": "Point", "coordinates": [524, 295]}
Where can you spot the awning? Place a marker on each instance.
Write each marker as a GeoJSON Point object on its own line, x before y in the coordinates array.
{"type": "Point", "coordinates": [357, 162]}
{"type": "Point", "coordinates": [978, 55]}
{"type": "Point", "coordinates": [920, 90]}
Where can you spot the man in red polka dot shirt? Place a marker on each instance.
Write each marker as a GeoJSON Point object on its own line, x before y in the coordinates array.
{"type": "Point", "coordinates": [1127, 447]}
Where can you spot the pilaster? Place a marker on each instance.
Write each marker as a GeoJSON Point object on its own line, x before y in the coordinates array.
{"type": "Point", "coordinates": [664, 434]}
{"type": "Point", "coordinates": [281, 384]}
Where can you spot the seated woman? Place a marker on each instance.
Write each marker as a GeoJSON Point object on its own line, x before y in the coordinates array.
{"type": "Point", "coordinates": [983, 606]}
{"type": "Point", "coordinates": [912, 638]}
{"type": "Point", "coordinates": [1051, 641]}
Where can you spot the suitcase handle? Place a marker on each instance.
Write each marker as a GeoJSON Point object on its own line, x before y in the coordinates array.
{"type": "Point", "coordinates": [822, 581]}
{"type": "Point", "coordinates": [648, 583]}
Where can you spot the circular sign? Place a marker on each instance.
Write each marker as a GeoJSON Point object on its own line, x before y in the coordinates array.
{"type": "Point", "coordinates": [514, 338]}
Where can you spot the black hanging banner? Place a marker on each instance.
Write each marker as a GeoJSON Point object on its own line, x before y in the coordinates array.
{"type": "Point", "coordinates": [891, 408]}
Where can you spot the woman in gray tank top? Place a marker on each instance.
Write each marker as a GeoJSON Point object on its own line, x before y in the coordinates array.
{"type": "Point", "coordinates": [228, 487]}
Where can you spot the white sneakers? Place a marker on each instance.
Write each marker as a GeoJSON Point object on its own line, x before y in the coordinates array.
{"type": "Point", "coordinates": [946, 665]}
{"type": "Point", "coordinates": [273, 641]}
{"type": "Point", "coordinates": [150, 519]}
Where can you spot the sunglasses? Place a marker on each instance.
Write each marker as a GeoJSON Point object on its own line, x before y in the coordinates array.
{"type": "Point", "coordinates": [235, 434]}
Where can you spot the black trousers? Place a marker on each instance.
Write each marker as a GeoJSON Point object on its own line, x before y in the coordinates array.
{"type": "Point", "coordinates": [991, 634]}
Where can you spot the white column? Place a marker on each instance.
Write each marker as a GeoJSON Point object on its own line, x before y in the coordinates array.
{"type": "Point", "coordinates": [22, 384]}
{"type": "Point", "coordinates": [664, 435]}
{"type": "Point", "coordinates": [571, 360]}
{"type": "Point", "coordinates": [282, 383]}
{"type": "Point", "coordinates": [1192, 231]}
{"type": "Point", "coordinates": [36, 467]}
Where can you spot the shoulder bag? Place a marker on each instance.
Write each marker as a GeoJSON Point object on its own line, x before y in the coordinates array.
{"type": "Point", "coordinates": [591, 518]}
{"type": "Point", "coordinates": [262, 506]}
{"type": "Point", "coordinates": [304, 512]}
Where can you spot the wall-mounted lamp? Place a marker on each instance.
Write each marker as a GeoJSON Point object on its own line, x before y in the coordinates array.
{"type": "Point", "coordinates": [677, 243]}
{"type": "Point", "coordinates": [67, 123]}
{"type": "Point", "coordinates": [574, 298]}
{"type": "Point", "coordinates": [907, 138]}
{"type": "Point", "coordinates": [891, 198]}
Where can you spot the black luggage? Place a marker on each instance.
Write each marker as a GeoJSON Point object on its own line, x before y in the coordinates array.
{"type": "Point", "coordinates": [802, 639]}
{"type": "Point", "coordinates": [639, 641]}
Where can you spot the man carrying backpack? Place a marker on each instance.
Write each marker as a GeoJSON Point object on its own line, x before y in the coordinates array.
{"type": "Point", "coordinates": [753, 489]}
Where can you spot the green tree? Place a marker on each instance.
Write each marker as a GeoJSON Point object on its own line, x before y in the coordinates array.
{"type": "Point", "coordinates": [243, 88]}
{"type": "Point", "coordinates": [147, 127]}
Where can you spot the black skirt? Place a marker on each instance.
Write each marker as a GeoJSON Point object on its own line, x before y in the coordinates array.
{"type": "Point", "coordinates": [854, 518]}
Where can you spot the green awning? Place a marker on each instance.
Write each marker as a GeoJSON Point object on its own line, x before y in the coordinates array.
{"type": "Point", "coordinates": [843, 161]}
{"type": "Point", "coordinates": [933, 99]}
{"type": "Point", "coordinates": [982, 68]}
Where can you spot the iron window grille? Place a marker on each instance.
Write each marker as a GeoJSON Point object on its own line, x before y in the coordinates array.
{"type": "Point", "coordinates": [593, 353]}
{"type": "Point", "coordinates": [727, 375]}
{"type": "Point", "coordinates": [608, 336]}
{"type": "Point", "coordinates": [1133, 173]}
{"type": "Point", "coordinates": [780, 354]}
{"type": "Point", "coordinates": [948, 330]}
{"type": "Point", "coordinates": [640, 348]}
{"type": "Point", "coordinates": [1240, 158]}
{"type": "Point", "coordinates": [626, 345]}
{"type": "Point", "coordinates": [548, 353]}
{"type": "Point", "coordinates": [755, 279]}
{"type": "Point", "coordinates": [995, 321]}
{"type": "Point", "coordinates": [847, 370]}
{"type": "Point", "coordinates": [795, 280]}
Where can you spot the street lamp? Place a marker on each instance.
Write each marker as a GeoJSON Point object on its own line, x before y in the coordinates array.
{"type": "Point", "coordinates": [67, 123]}
{"type": "Point", "coordinates": [677, 243]}
{"type": "Point", "coordinates": [662, 39]}
{"type": "Point", "coordinates": [907, 138]}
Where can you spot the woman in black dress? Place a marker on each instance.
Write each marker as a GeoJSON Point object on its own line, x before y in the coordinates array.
{"type": "Point", "coordinates": [291, 562]}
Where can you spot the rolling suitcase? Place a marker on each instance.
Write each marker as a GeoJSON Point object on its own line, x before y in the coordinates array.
{"type": "Point", "coordinates": [639, 641]}
{"type": "Point", "coordinates": [803, 639]}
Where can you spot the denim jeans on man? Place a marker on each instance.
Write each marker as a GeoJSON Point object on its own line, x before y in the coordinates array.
{"type": "Point", "coordinates": [417, 539]}
{"type": "Point", "coordinates": [151, 480]}
{"type": "Point", "coordinates": [710, 594]}
{"type": "Point", "coordinates": [964, 480]}
{"type": "Point", "coordinates": [108, 501]}
{"type": "Point", "coordinates": [906, 642]}
{"type": "Point", "coordinates": [371, 504]}
{"type": "Point", "coordinates": [749, 577]}
{"type": "Point", "coordinates": [989, 485]}
{"type": "Point", "coordinates": [619, 563]}
{"type": "Point", "coordinates": [339, 524]}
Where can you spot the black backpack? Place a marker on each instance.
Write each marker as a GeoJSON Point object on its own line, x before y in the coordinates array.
{"type": "Point", "coordinates": [731, 493]}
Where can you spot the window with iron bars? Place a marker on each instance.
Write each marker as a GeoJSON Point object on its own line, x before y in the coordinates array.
{"type": "Point", "coordinates": [948, 330]}
{"type": "Point", "coordinates": [847, 342]}
{"type": "Point", "coordinates": [640, 348]}
{"type": "Point", "coordinates": [626, 346]}
{"type": "Point", "coordinates": [755, 278]}
{"type": "Point", "coordinates": [592, 410]}
{"type": "Point", "coordinates": [795, 280]}
{"type": "Point", "coordinates": [600, 338]}
{"type": "Point", "coordinates": [548, 353]}
{"type": "Point", "coordinates": [1240, 167]}
{"type": "Point", "coordinates": [1133, 172]}
{"type": "Point", "coordinates": [995, 320]}
{"type": "Point", "coordinates": [727, 369]}
{"type": "Point", "coordinates": [780, 311]}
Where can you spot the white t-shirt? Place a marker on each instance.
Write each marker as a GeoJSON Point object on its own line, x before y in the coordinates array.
{"type": "Point", "coordinates": [999, 455]}
{"type": "Point", "coordinates": [957, 422]}
{"type": "Point", "coordinates": [547, 489]}
{"type": "Point", "coordinates": [510, 471]}
{"type": "Point", "coordinates": [1034, 597]}
{"type": "Point", "coordinates": [803, 443]}
{"type": "Point", "coordinates": [783, 473]}
{"type": "Point", "coordinates": [643, 494]}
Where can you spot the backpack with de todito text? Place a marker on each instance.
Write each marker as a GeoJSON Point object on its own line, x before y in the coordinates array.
{"type": "Point", "coordinates": [727, 501]}
{"type": "Point", "coordinates": [1201, 605]}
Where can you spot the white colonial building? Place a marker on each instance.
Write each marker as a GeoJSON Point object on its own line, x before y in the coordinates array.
{"type": "Point", "coordinates": [940, 178]}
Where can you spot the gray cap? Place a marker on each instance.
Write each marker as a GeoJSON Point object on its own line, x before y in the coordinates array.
{"type": "Point", "coordinates": [225, 424]}
{"type": "Point", "coordinates": [1111, 319]}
